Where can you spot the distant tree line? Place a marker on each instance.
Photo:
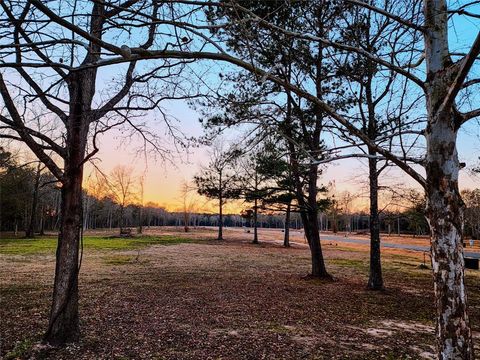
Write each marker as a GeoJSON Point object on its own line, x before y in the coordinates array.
{"type": "Point", "coordinates": [30, 202]}
{"type": "Point", "coordinates": [29, 196]}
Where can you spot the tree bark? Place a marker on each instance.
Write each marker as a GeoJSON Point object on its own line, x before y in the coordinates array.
{"type": "Point", "coordinates": [64, 324]}
{"type": "Point", "coordinates": [30, 233]}
{"type": "Point", "coordinates": [185, 220]}
{"type": "Point", "coordinates": [220, 219]}
{"type": "Point", "coordinates": [444, 205]}
{"type": "Point", "coordinates": [445, 217]}
{"type": "Point", "coordinates": [312, 232]}
{"type": "Point", "coordinates": [42, 222]}
{"type": "Point", "coordinates": [86, 212]}
{"type": "Point", "coordinates": [334, 221]}
{"type": "Point", "coordinates": [255, 222]}
{"type": "Point", "coordinates": [309, 211]}
{"type": "Point", "coordinates": [375, 280]}
{"type": "Point", "coordinates": [286, 237]}
{"type": "Point", "coordinates": [120, 225]}
{"type": "Point", "coordinates": [220, 205]}
{"type": "Point", "coordinates": [311, 222]}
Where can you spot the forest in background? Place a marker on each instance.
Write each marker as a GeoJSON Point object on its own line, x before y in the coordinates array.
{"type": "Point", "coordinates": [29, 188]}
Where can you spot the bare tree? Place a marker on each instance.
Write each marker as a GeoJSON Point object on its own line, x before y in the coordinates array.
{"type": "Point", "coordinates": [220, 179]}
{"type": "Point", "coordinates": [141, 199]}
{"type": "Point", "coordinates": [188, 203]}
{"type": "Point", "coordinates": [123, 188]}
{"type": "Point", "coordinates": [50, 72]}
{"type": "Point", "coordinates": [30, 231]}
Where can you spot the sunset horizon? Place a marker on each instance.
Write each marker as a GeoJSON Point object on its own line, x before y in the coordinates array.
{"type": "Point", "coordinates": [232, 179]}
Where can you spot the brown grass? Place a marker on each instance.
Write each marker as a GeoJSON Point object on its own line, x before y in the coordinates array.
{"type": "Point", "coordinates": [228, 300]}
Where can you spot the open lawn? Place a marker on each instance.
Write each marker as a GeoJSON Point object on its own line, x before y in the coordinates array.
{"type": "Point", "coordinates": [199, 298]}
{"type": "Point", "coordinates": [47, 244]}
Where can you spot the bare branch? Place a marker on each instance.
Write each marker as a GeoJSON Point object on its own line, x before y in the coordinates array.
{"type": "Point", "coordinates": [465, 65]}
{"type": "Point", "coordinates": [24, 133]}
{"type": "Point", "coordinates": [388, 14]}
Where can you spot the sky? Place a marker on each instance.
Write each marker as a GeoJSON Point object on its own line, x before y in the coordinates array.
{"type": "Point", "coordinates": [163, 178]}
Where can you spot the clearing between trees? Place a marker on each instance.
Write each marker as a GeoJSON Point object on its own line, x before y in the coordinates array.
{"type": "Point", "coordinates": [173, 295]}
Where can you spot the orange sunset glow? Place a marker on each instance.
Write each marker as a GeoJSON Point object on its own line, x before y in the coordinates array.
{"type": "Point", "coordinates": [239, 180]}
{"type": "Point", "coordinates": [163, 178]}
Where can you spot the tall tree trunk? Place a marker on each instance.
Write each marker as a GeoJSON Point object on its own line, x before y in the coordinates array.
{"type": "Point", "coordinates": [445, 217]}
{"type": "Point", "coordinates": [309, 206]}
{"type": "Point", "coordinates": [220, 205]}
{"type": "Point", "coordinates": [255, 222]}
{"type": "Point", "coordinates": [312, 232]}
{"type": "Point", "coordinates": [313, 235]}
{"type": "Point", "coordinates": [42, 222]}
{"type": "Point", "coordinates": [220, 219]}
{"type": "Point", "coordinates": [186, 219]}
{"type": "Point", "coordinates": [121, 222]}
{"type": "Point", "coordinates": [86, 212]}
{"type": "Point", "coordinates": [255, 208]}
{"type": "Point", "coordinates": [63, 325]}
{"type": "Point", "coordinates": [286, 237]}
{"type": "Point", "coordinates": [316, 148]}
{"type": "Point", "coordinates": [140, 212]}
{"type": "Point", "coordinates": [444, 204]}
{"type": "Point", "coordinates": [309, 212]}
{"type": "Point", "coordinates": [375, 280]}
{"type": "Point", "coordinates": [31, 226]}
{"type": "Point", "coordinates": [334, 221]}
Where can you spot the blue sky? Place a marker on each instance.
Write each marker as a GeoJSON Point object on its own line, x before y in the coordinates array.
{"type": "Point", "coordinates": [163, 179]}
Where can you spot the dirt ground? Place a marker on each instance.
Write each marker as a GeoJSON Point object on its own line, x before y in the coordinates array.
{"type": "Point", "coordinates": [229, 300]}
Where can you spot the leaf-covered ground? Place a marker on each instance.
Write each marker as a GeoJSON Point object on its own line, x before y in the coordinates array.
{"type": "Point", "coordinates": [204, 299]}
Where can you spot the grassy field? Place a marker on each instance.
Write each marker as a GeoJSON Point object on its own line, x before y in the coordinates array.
{"type": "Point", "coordinates": [47, 244]}
{"type": "Point", "coordinates": [199, 298]}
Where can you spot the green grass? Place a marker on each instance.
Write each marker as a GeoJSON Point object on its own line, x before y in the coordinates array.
{"type": "Point", "coordinates": [118, 259]}
{"type": "Point", "coordinates": [20, 351]}
{"type": "Point", "coordinates": [47, 245]}
{"type": "Point", "coordinates": [349, 263]}
{"type": "Point", "coordinates": [278, 328]}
